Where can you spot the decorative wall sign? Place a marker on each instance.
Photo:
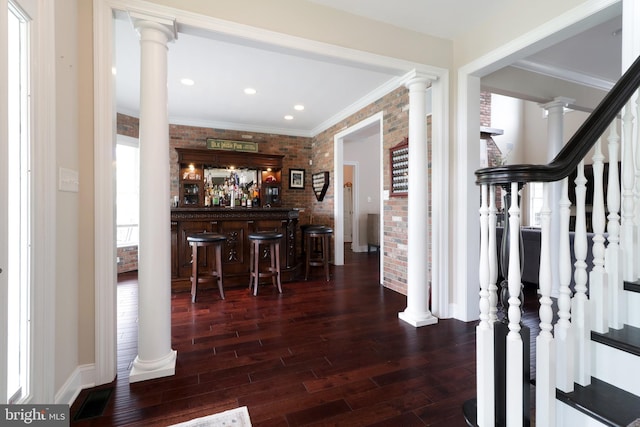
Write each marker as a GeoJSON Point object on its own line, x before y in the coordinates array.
{"type": "Point", "coordinates": [399, 157]}
{"type": "Point", "coordinates": [320, 182]}
{"type": "Point", "coordinates": [223, 144]}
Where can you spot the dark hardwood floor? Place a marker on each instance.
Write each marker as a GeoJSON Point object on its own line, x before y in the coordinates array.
{"type": "Point", "coordinates": [321, 353]}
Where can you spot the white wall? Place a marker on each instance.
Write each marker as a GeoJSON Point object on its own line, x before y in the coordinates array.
{"type": "Point", "coordinates": [508, 114]}
{"type": "Point", "coordinates": [535, 132]}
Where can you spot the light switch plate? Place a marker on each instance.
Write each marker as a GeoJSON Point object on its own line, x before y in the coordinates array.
{"type": "Point", "coordinates": [68, 180]}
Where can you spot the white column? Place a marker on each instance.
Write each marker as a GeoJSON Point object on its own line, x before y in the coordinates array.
{"type": "Point", "coordinates": [555, 142]}
{"type": "Point", "coordinates": [155, 357]}
{"type": "Point", "coordinates": [417, 312]}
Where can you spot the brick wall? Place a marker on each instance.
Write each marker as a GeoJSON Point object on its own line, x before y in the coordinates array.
{"type": "Point", "coordinates": [296, 151]}
{"type": "Point", "coordinates": [299, 150]}
{"type": "Point", "coordinates": [395, 108]}
{"type": "Point", "coordinates": [485, 109]}
{"type": "Point", "coordinates": [127, 259]}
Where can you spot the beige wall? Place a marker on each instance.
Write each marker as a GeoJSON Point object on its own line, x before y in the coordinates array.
{"type": "Point", "coordinates": [315, 22]}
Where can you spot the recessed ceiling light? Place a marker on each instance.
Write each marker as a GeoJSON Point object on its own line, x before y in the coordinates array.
{"type": "Point", "coordinates": [298, 107]}
{"type": "Point", "coordinates": [288, 117]}
{"type": "Point", "coordinates": [187, 82]}
{"type": "Point", "coordinates": [250, 91]}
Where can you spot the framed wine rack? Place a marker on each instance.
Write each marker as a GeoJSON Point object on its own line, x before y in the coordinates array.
{"type": "Point", "coordinates": [399, 157]}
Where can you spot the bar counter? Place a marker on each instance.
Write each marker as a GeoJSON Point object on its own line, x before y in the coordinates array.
{"type": "Point", "coordinates": [235, 224]}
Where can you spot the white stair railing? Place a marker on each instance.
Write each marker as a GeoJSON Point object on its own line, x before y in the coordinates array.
{"type": "Point", "coordinates": [545, 344]}
{"type": "Point", "coordinates": [628, 171]}
{"type": "Point", "coordinates": [563, 330]}
{"type": "Point", "coordinates": [636, 192]}
{"type": "Point", "coordinates": [580, 308]}
{"type": "Point", "coordinates": [484, 331]}
{"type": "Point", "coordinates": [598, 280]}
{"type": "Point", "coordinates": [563, 350]}
{"type": "Point", "coordinates": [612, 255]}
{"type": "Point", "coordinates": [515, 349]}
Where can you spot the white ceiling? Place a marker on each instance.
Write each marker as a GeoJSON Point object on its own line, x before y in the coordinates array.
{"type": "Point", "coordinates": [328, 89]}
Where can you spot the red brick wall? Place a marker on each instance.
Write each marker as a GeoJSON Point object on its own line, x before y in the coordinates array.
{"type": "Point", "coordinates": [298, 151]}
{"type": "Point", "coordinates": [395, 108]}
{"type": "Point", "coordinates": [485, 109]}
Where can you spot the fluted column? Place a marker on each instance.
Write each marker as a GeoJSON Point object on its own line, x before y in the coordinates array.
{"type": "Point", "coordinates": [417, 312]}
{"type": "Point", "coordinates": [155, 357]}
{"type": "Point", "coordinates": [555, 142]}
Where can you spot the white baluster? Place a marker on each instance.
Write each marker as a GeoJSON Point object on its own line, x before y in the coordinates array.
{"type": "Point", "coordinates": [636, 145]}
{"type": "Point", "coordinates": [493, 257]}
{"type": "Point", "coordinates": [545, 345]}
{"type": "Point", "coordinates": [563, 329]}
{"type": "Point", "coordinates": [612, 257]}
{"type": "Point", "coordinates": [515, 349]}
{"type": "Point", "coordinates": [628, 171]}
{"type": "Point", "coordinates": [597, 277]}
{"type": "Point", "coordinates": [484, 331]}
{"type": "Point", "coordinates": [580, 309]}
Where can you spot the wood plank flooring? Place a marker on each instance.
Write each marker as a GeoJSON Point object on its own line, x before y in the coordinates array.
{"type": "Point", "coordinates": [322, 353]}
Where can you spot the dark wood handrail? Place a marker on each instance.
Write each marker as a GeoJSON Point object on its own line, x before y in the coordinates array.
{"type": "Point", "coordinates": [579, 144]}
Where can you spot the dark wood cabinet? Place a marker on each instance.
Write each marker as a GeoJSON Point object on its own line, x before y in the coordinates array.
{"type": "Point", "coordinates": [235, 224]}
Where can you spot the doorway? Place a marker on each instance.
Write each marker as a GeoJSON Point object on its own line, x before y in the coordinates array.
{"type": "Point", "coordinates": [357, 149]}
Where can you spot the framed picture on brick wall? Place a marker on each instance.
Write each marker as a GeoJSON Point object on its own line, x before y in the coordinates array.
{"type": "Point", "coordinates": [296, 178]}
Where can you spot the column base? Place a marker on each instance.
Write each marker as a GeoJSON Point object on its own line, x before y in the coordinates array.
{"type": "Point", "coordinates": [147, 370]}
{"type": "Point", "coordinates": [418, 320]}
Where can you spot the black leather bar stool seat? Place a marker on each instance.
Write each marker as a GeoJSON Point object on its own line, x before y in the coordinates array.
{"type": "Point", "coordinates": [272, 239]}
{"type": "Point", "coordinates": [205, 240]}
{"type": "Point", "coordinates": [318, 257]}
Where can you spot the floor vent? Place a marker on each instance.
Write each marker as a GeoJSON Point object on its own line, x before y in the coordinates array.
{"type": "Point", "coordinates": [93, 404]}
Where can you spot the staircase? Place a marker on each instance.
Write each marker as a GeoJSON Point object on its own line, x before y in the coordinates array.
{"type": "Point", "coordinates": [587, 347]}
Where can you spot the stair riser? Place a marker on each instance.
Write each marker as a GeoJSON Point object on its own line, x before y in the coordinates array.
{"type": "Point", "coordinates": [633, 314]}
{"type": "Point", "coordinates": [616, 367]}
{"type": "Point", "coordinates": [568, 416]}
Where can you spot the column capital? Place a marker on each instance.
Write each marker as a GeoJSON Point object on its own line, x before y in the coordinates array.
{"type": "Point", "coordinates": [558, 101]}
{"type": "Point", "coordinates": [416, 77]}
{"type": "Point", "coordinates": [163, 24]}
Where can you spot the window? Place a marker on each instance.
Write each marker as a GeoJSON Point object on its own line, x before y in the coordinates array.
{"type": "Point", "coordinates": [19, 208]}
{"type": "Point", "coordinates": [127, 190]}
{"type": "Point", "coordinates": [536, 199]}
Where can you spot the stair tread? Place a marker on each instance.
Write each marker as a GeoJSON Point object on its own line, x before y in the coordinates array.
{"type": "Point", "coordinates": [625, 339]}
{"type": "Point", "coordinates": [632, 286]}
{"type": "Point", "coordinates": [606, 403]}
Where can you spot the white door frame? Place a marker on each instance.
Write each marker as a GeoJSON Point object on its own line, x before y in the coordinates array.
{"type": "Point", "coordinates": [338, 205]}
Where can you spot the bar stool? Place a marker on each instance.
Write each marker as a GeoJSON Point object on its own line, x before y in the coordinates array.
{"type": "Point", "coordinates": [271, 238]}
{"type": "Point", "coordinates": [206, 240]}
{"type": "Point", "coordinates": [312, 234]}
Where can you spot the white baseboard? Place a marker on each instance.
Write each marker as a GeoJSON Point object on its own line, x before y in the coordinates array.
{"type": "Point", "coordinates": [82, 377]}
